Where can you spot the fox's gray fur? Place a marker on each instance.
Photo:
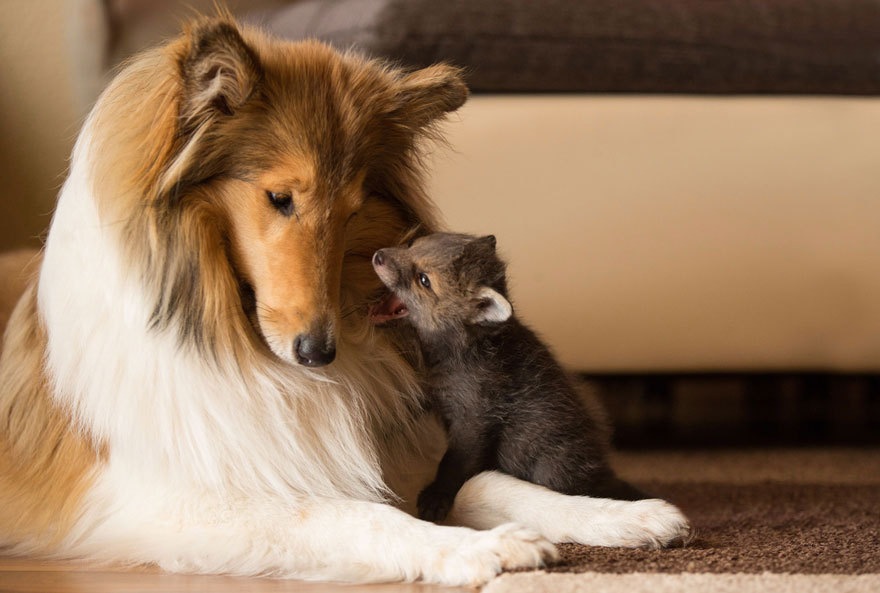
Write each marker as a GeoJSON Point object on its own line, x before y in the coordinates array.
{"type": "Point", "coordinates": [505, 401]}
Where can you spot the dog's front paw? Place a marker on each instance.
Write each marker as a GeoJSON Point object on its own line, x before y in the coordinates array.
{"type": "Point", "coordinates": [483, 554]}
{"type": "Point", "coordinates": [650, 523]}
{"type": "Point", "coordinates": [659, 524]}
{"type": "Point", "coordinates": [435, 502]}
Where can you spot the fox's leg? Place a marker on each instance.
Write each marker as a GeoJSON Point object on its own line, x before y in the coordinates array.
{"type": "Point", "coordinates": [316, 539]}
{"type": "Point", "coordinates": [493, 498]}
{"type": "Point", "coordinates": [466, 455]}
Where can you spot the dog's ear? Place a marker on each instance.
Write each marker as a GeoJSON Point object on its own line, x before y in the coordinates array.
{"type": "Point", "coordinates": [491, 307]}
{"type": "Point", "coordinates": [220, 72]}
{"type": "Point", "coordinates": [426, 95]}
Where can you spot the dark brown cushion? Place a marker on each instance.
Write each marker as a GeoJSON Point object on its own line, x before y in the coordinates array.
{"type": "Point", "coordinates": [666, 46]}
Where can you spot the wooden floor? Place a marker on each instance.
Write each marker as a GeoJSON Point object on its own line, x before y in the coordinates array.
{"type": "Point", "coordinates": [32, 576]}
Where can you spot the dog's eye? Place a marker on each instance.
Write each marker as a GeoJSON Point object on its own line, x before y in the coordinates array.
{"type": "Point", "coordinates": [424, 280]}
{"type": "Point", "coordinates": [281, 201]}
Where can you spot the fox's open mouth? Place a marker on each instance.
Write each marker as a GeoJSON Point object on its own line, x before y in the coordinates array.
{"type": "Point", "coordinates": [390, 307]}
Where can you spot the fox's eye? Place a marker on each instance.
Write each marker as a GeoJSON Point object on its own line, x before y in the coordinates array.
{"type": "Point", "coordinates": [424, 280]}
{"type": "Point", "coordinates": [281, 201]}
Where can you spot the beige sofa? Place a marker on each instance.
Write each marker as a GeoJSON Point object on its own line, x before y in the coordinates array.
{"type": "Point", "coordinates": [670, 233]}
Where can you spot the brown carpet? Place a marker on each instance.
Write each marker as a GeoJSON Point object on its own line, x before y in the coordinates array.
{"type": "Point", "coordinates": [771, 520]}
{"type": "Point", "coordinates": [769, 527]}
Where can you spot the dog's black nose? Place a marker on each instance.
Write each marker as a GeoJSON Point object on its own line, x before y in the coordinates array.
{"type": "Point", "coordinates": [313, 352]}
{"type": "Point", "coordinates": [379, 258]}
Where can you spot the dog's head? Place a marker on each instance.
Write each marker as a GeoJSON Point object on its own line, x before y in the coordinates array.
{"type": "Point", "coordinates": [291, 163]}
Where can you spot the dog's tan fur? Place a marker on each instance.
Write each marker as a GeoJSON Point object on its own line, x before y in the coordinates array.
{"type": "Point", "coordinates": [17, 269]}
{"type": "Point", "coordinates": [45, 463]}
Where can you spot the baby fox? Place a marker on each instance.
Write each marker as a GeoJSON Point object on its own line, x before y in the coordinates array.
{"type": "Point", "coordinates": [506, 403]}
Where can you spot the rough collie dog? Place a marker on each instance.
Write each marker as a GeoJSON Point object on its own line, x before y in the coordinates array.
{"type": "Point", "coordinates": [193, 379]}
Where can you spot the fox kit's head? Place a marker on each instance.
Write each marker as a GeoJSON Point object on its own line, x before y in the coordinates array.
{"type": "Point", "coordinates": [443, 281]}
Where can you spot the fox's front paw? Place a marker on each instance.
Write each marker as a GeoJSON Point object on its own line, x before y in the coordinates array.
{"type": "Point", "coordinates": [435, 502]}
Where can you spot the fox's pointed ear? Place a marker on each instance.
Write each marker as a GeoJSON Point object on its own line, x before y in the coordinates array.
{"type": "Point", "coordinates": [491, 307]}
{"type": "Point", "coordinates": [425, 95]}
{"type": "Point", "coordinates": [220, 71]}
{"type": "Point", "coordinates": [487, 242]}
{"type": "Point", "coordinates": [480, 247]}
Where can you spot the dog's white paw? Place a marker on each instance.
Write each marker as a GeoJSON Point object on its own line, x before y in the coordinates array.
{"type": "Point", "coordinates": [662, 524]}
{"type": "Point", "coordinates": [481, 555]}
{"type": "Point", "coordinates": [651, 523]}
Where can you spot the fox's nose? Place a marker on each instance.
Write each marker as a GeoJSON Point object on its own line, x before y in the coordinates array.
{"type": "Point", "coordinates": [379, 258]}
